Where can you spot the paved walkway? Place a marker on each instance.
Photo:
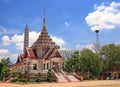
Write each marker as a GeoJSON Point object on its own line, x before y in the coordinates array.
{"type": "Point", "coordinates": [70, 84]}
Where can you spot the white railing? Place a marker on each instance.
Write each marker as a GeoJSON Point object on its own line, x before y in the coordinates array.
{"type": "Point", "coordinates": [55, 74]}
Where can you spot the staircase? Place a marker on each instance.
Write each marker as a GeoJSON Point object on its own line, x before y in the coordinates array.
{"type": "Point", "coordinates": [73, 78]}
{"type": "Point", "coordinates": [8, 79]}
{"type": "Point", "coordinates": [62, 77]}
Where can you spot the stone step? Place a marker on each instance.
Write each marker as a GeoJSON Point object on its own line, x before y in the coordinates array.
{"type": "Point", "coordinates": [72, 78]}
{"type": "Point", "coordinates": [66, 78]}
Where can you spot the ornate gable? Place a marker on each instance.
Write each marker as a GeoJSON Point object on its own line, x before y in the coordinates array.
{"type": "Point", "coordinates": [48, 52]}
{"type": "Point", "coordinates": [52, 52]}
{"type": "Point", "coordinates": [55, 53]}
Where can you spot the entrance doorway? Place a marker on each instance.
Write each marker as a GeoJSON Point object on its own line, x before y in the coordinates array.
{"type": "Point", "coordinates": [55, 66]}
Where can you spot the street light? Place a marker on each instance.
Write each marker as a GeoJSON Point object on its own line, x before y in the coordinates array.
{"type": "Point", "coordinates": [97, 40]}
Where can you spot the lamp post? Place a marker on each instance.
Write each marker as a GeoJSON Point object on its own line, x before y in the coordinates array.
{"type": "Point", "coordinates": [97, 40]}
{"type": "Point", "coordinates": [97, 45]}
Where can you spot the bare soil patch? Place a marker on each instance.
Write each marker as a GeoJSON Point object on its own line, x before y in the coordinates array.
{"type": "Point", "coordinates": [99, 83]}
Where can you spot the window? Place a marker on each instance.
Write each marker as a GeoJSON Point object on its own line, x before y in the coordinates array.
{"type": "Point", "coordinates": [44, 66]}
{"type": "Point", "coordinates": [34, 66]}
{"type": "Point", "coordinates": [47, 65]}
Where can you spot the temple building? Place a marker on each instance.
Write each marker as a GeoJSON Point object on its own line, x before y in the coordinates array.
{"type": "Point", "coordinates": [39, 57]}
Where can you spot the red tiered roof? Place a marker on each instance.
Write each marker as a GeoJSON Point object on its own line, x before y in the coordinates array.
{"type": "Point", "coordinates": [31, 53]}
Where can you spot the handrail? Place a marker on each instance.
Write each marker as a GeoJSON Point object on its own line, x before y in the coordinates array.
{"type": "Point", "coordinates": [77, 76]}
{"type": "Point", "coordinates": [62, 72]}
{"type": "Point", "coordinates": [55, 75]}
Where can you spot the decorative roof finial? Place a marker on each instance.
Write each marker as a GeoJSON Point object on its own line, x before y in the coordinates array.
{"type": "Point", "coordinates": [44, 39]}
{"type": "Point", "coordinates": [44, 20]}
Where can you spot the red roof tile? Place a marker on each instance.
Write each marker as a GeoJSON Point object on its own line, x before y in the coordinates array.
{"type": "Point", "coordinates": [30, 53]}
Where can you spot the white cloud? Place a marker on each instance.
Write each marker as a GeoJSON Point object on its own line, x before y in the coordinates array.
{"type": "Point", "coordinates": [6, 40]}
{"type": "Point", "coordinates": [3, 51]}
{"type": "Point", "coordinates": [18, 40]}
{"type": "Point", "coordinates": [14, 57]}
{"type": "Point", "coordinates": [105, 16]}
{"type": "Point", "coordinates": [78, 46]}
{"type": "Point", "coordinates": [67, 24]}
{"type": "Point", "coordinates": [33, 37]}
{"type": "Point", "coordinates": [59, 41]}
{"type": "Point", "coordinates": [88, 46]}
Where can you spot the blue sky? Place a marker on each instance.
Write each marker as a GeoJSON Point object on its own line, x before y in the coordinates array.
{"type": "Point", "coordinates": [71, 23]}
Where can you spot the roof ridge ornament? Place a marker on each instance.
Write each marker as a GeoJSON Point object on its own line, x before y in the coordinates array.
{"type": "Point", "coordinates": [44, 14]}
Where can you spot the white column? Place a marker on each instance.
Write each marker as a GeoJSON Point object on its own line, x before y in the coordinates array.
{"type": "Point", "coordinates": [50, 64]}
{"type": "Point", "coordinates": [45, 65]}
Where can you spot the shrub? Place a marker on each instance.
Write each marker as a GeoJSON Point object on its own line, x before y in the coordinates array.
{"type": "Point", "coordinates": [22, 80]}
{"type": "Point", "coordinates": [14, 80]}
{"type": "Point", "coordinates": [49, 75]}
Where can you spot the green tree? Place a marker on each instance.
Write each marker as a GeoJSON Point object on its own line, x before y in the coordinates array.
{"type": "Point", "coordinates": [117, 54]}
{"type": "Point", "coordinates": [90, 63]}
{"type": "Point", "coordinates": [72, 64]}
{"type": "Point", "coordinates": [69, 65]}
{"type": "Point", "coordinates": [1, 67]}
{"type": "Point", "coordinates": [6, 61]}
{"type": "Point", "coordinates": [111, 55]}
{"type": "Point", "coordinates": [85, 61]}
{"type": "Point", "coordinates": [5, 72]}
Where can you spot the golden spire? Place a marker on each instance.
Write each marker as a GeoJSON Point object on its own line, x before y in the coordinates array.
{"type": "Point", "coordinates": [44, 39]}
{"type": "Point", "coordinates": [44, 19]}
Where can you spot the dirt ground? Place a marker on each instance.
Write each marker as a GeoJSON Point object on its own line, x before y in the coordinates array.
{"type": "Point", "coordinates": [99, 83]}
